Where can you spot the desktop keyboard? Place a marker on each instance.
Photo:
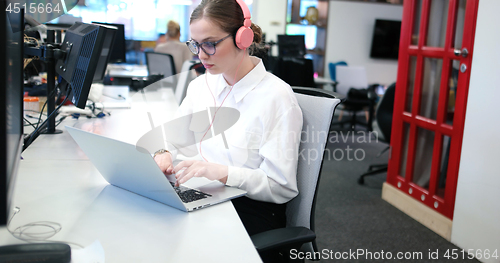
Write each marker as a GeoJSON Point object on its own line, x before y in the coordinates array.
{"type": "Point", "coordinates": [188, 195]}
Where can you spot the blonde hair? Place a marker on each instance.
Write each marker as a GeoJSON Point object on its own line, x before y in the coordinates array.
{"type": "Point", "coordinates": [173, 29]}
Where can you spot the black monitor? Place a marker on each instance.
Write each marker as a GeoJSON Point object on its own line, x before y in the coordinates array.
{"type": "Point", "coordinates": [291, 46]}
{"type": "Point", "coordinates": [106, 53]}
{"type": "Point", "coordinates": [85, 46]}
{"type": "Point", "coordinates": [11, 111]}
{"type": "Point", "coordinates": [118, 50]}
{"type": "Point", "coordinates": [385, 40]}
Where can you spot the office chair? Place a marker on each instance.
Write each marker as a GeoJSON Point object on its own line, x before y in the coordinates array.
{"type": "Point", "coordinates": [187, 74]}
{"type": "Point", "coordinates": [383, 118]}
{"type": "Point", "coordinates": [161, 64]}
{"type": "Point", "coordinates": [353, 83]}
{"type": "Point", "coordinates": [332, 67]}
{"type": "Point", "coordinates": [317, 111]}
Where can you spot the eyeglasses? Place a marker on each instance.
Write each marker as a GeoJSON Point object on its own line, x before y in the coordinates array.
{"type": "Point", "coordinates": [207, 47]}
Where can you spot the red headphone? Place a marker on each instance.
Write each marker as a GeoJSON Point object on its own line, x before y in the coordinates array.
{"type": "Point", "coordinates": [244, 35]}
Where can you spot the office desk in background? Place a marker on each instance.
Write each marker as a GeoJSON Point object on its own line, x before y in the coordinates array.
{"type": "Point", "coordinates": [57, 183]}
{"type": "Point", "coordinates": [127, 71]}
{"type": "Point", "coordinates": [326, 83]}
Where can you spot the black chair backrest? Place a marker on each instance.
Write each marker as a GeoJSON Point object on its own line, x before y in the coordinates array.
{"type": "Point", "coordinates": [384, 112]}
{"type": "Point", "coordinates": [315, 92]}
{"type": "Point", "coordinates": [295, 71]}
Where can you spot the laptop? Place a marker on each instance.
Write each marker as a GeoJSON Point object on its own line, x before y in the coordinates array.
{"type": "Point", "coordinates": [124, 166]}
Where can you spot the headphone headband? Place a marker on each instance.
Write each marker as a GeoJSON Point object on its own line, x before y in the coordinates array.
{"type": "Point", "coordinates": [244, 35]}
{"type": "Point", "coordinates": [246, 12]}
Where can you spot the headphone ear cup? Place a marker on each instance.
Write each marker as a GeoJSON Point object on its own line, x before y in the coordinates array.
{"type": "Point", "coordinates": [244, 37]}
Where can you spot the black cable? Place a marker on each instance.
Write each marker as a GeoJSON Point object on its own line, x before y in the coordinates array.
{"type": "Point", "coordinates": [45, 104]}
{"type": "Point", "coordinates": [60, 120]}
{"type": "Point", "coordinates": [34, 111]}
{"type": "Point", "coordinates": [37, 131]}
{"type": "Point", "coordinates": [29, 123]}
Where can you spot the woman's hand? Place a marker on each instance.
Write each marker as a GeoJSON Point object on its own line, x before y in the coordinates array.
{"type": "Point", "coordinates": [164, 161]}
{"type": "Point", "coordinates": [211, 171]}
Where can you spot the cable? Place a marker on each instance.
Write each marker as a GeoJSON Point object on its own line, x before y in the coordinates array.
{"type": "Point", "coordinates": [45, 104]}
{"type": "Point", "coordinates": [120, 97]}
{"type": "Point", "coordinates": [215, 104]}
{"type": "Point", "coordinates": [36, 132]}
{"type": "Point", "coordinates": [32, 41]}
{"type": "Point", "coordinates": [27, 234]}
{"type": "Point", "coordinates": [60, 120]}
{"type": "Point", "coordinates": [29, 123]}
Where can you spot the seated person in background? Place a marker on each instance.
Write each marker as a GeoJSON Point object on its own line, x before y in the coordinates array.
{"type": "Point", "coordinates": [162, 38]}
{"type": "Point", "coordinates": [179, 51]}
{"type": "Point", "coordinates": [259, 153]}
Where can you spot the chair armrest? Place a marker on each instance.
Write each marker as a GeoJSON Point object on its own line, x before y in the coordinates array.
{"type": "Point", "coordinates": [282, 238]}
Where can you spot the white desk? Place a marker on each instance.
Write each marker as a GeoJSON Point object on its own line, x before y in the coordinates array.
{"type": "Point", "coordinates": [127, 71]}
{"type": "Point", "coordinates": [327, 83]}
{"type": "Point", "coordinates": [56, 182]}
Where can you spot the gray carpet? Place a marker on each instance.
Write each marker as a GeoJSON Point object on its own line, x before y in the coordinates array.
{"type": "Point", "coordinates": [350, 216]}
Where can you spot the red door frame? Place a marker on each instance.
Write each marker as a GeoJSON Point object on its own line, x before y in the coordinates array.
{"type": "Point", "coordinates": [439, 127]}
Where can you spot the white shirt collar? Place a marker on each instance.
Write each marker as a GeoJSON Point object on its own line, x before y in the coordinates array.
{"type": "Point", "coordinates": [246, 84]}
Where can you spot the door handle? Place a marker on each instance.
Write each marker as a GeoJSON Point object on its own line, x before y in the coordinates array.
{"type": "Point", "coordinates": [464, 52]}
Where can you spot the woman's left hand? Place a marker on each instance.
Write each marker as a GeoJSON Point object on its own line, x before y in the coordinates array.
{"type": "Point", "coordinates": [194, 168]}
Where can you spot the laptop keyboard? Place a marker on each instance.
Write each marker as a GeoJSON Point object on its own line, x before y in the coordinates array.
{"type": "Point", "coordinates": [188, 195]}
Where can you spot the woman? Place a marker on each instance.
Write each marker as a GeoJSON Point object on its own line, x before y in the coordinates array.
{"type": "Point", "coordinates": [259, 152]}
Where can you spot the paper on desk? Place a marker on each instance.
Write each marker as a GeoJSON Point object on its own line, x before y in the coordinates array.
{"type": "Point", "coordinates": [93, 253]}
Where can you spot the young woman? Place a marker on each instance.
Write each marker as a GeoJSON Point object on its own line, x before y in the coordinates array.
{"type": "Point", "coordinates": [259, 152]}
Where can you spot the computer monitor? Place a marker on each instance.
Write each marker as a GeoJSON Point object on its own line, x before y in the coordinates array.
{"type": "Point", "coordinates": [291, 46]}
{"type": "Point", "coordinates": [310, 33]}
{"type": "Point", "coordinates": [11, 111]}
{"type": "Point", "coordinates": [385, 39]}
{"type": "Point", "coordinates": [106, 53]}
{"type": "Point", "coordinates": [118, 50]}
{"type": "Point", "coordinates": [85, 46]}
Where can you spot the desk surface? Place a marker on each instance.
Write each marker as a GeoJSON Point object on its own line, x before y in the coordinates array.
{"type": "Point", "coordinates": [327, 83]}
{"type": "Point", "coordinates": [126, 71]}
{"type": "Point", "coordinates": [57, 183]}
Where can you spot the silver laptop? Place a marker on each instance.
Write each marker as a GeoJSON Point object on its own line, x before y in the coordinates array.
{"type": "Point", "coordinates": [122, 165]}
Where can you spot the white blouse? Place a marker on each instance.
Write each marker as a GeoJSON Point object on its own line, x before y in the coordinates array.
{"type": "Point", "coordinates": [256, 132]}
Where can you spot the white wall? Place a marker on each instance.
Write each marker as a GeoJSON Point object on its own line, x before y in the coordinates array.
{"type": "Point", "coordinates": [350, 29]}
{"type": "Point", "coordinates": [476, 222]}
{"type": "Point", "coordinates": [271, 17]}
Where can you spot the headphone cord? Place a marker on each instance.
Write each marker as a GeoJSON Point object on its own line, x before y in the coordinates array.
{"type": "Point", "coordinates": [215, 104]}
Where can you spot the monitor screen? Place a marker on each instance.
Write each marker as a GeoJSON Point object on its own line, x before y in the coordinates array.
{"type": "Point", "coordinates": [310, 33]}
{"type": "Point", "coordinates": [291, 46]}
{"type": "Point", "coordinates": [106, 53]}
{"type": "Point", "coordinates": [118, 49]}
{"type": "Point", "coordinates": [11, 111]}
{"type": "Point", "coordinates": [85, 45]}
{"type": "Point", "coordinates": [385, 41]}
